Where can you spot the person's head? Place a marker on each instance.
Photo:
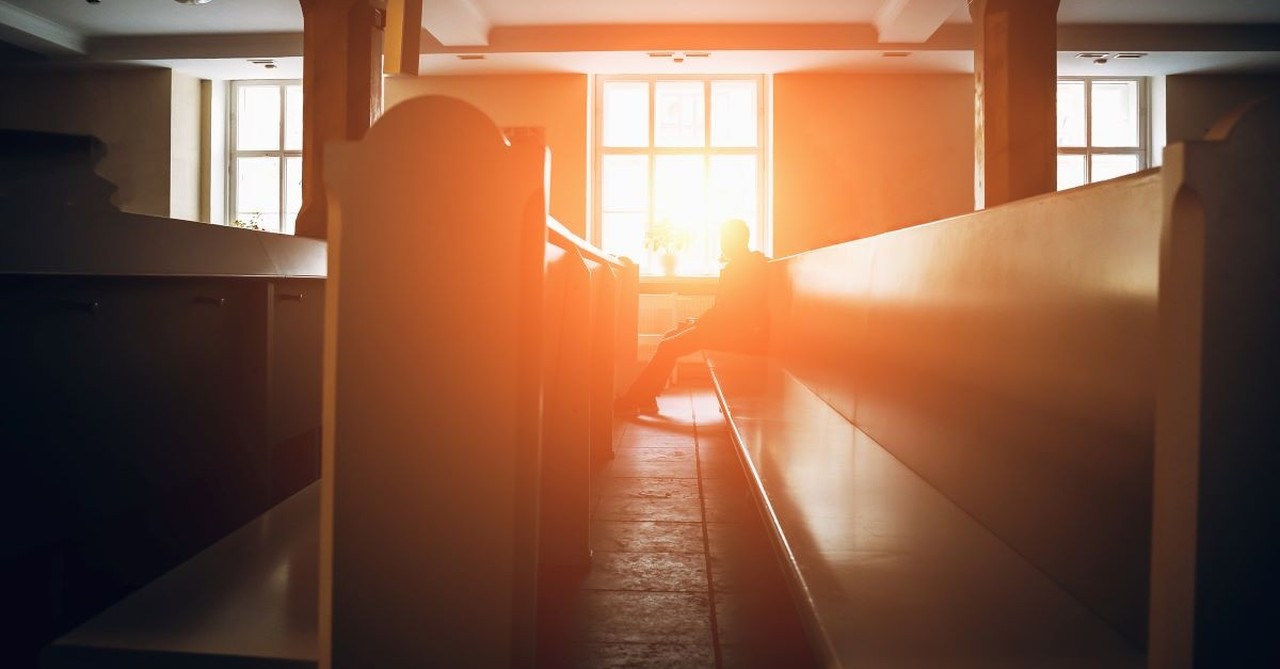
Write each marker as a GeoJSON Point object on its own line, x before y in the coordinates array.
{"type": "Point", "coordinates": [734, 237]}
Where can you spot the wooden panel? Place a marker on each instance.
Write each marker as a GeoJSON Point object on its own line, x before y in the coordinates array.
{"type": "Point", "coordinates": [296, 342]}
{"type": "Point", "coordinates": [431, 427]}
{"type": "Point", "coordinates": [1216, 530]}
{"type": "Point", "coordinates": [565, 483]}
{"type": "Point", "coordinates": [133, 419]}
{"type": "Point", "coordinates": [1007, 356]}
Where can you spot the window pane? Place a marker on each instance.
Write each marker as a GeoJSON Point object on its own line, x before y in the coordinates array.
{"type": "Point", "coordinates": [1115, 113]}
{"type": "Point", "coordinates": [679, 114]}
{"type": "Point", "coordinates": [293, 118]}
{"type": "Point", "coordinates": [626, 113]}
{"type": "Point", "coordinates": [624, 182]}
{"type": "Point", "coordinates": [624, 235]}
{"type": "Point", "coordinates": [258, 118]}
{"type": "Point", "coordinates": [1103, 166]}
{"type": "Point", "coordinates": [1070, 171]}
{"type": "Point", "coordinates": [680, 201]}
{"type": "Point", "coordinates": [733, 113]}
{"type": "Point", "coordinates": [733, 188]}
{"type": "Point", "coordinates": [679, 190]}
{"type": "Point", "coordinates": [258, 189]}
{"type": "Point", "coordinates": [1071, 113]}
{"type": "Point", "coordinates": [292, 193]}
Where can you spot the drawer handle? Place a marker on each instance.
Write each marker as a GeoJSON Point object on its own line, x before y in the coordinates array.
{"type": "Point", "coordinates": [293, 297]}
{"type": "Point", "coordinates": [209, 299]}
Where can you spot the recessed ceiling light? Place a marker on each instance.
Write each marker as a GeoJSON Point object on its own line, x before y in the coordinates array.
{"type": "Point", "coordinates": [895, 54]}
{"type": "Point", "coordinates": [265, 62]}
{"type": "Point", "coordinates": [193, 2]}
{"type": "Point", "coordinates": [660, 54]}
{"type": "Point", "coordinates": [470, 56]}
{"type": "Point", "coordinates": [1091, 55]}
{"type": "Point", "coordinates": [1129, 55]}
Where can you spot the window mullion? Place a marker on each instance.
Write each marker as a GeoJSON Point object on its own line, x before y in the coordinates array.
{"type": "Point", "coordinates": [1088, 132]}
{"type": "Point", "coordinates": [652, 159]}
{"type": "Point", "coordinates": [280, 162]}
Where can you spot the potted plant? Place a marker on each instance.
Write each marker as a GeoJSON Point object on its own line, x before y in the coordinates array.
{"type": "Point", "coordinates": [668, 241]}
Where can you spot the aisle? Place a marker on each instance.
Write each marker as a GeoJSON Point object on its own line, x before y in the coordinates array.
{"type": "Point", "coordinates": [682, 575]}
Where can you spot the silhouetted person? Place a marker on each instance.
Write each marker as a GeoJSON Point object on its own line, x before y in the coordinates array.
{"type": "Point", "coordinates": [738, 321]}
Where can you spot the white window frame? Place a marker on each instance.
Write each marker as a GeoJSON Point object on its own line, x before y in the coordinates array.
{"type": "Point", "coordinates": [761, 239]}
{"type": "Point", "coordinates": [286, 227]}
{"type": "Point", "coordinates": [1142, 151]}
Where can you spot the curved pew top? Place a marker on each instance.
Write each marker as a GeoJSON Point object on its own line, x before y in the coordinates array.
{"type": "Point", "coordinates": [57, 218]}
{"type": "Point", "coordinates": [561, 236]}
{"type": "Point", "coordinates": [106, 243]}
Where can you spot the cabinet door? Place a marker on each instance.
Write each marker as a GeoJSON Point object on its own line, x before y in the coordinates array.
{"type": "Point", "coordinates": [297, 339]}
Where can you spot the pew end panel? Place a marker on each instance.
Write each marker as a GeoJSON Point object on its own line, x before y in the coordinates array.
{"type": "Point", "coordinates": [428, 518]}
{"type": "Point", "coordinates": [1216, 524]}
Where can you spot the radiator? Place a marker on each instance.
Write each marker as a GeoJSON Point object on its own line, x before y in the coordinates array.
{"type": "Point", "coordinates": [661, 312]}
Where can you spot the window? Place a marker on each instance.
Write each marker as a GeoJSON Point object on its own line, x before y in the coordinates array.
{"type": "Point", "coordinates": [265, 184]}
{"type": "Point", "coordinates": [1101, 129]}
{"type": "Point", "coordinates": [676, 157]}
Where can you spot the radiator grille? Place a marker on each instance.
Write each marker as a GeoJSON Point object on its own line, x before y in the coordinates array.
{"type": "Point", "coordinates": [661, 312]}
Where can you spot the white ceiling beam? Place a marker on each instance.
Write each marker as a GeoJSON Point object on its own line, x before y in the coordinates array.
{"type": "Point", "coordinates": [36, 33]}
{"type": "Point", "coordinates": [912, 21]}
{"type": "Point", "coordinates": [456, 22]}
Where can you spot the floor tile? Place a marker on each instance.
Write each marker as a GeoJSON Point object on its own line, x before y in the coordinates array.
{"type": "Point", "coordinates": [681, 618]}
{"type": "Point", "coordinates": [659, 462]}
{"type": "Point", "coordinates": [647, 537]}
{"type": "Point", "coordinates": [649, 488]}
{"type": "Point", "coordinates": [669, 572]}
{"type": "Point", "coordinates": [643, 656]}
{"type": "Point", "coordinates": [687, 510]}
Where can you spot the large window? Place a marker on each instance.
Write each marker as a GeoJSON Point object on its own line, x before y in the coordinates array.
{"type": "Point", "coordinates": [265, 185]}
{"type": "Point", "coordinates": [1101, 129]}
{"type": "Point", "coordinates": [675, 158]}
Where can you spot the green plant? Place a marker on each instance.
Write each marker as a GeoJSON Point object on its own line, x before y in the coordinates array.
{"type": "Point", "coordinates": [254, 222]}
{"type": "Point", "coordinates": [663, 237]}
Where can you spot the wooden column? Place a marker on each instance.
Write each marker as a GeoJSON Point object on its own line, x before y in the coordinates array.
{"type": "Point", "coordinates": [1015, 71]}
{"type": "Point", "coordinates": [341, 90]}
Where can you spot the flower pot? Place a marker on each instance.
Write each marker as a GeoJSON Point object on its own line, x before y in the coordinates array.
{"type": "Point", "coordinates": [669, 261]}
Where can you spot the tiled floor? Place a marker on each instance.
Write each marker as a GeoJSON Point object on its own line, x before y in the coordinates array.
{"type": "Point", "coordinates": [682, 573]}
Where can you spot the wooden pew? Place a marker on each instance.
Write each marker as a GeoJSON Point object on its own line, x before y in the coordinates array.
{"type": "Point", "coordinates": [585, 365]}
{"type": "Point", "coordinates": [469, 372]}
{"type": "Point", "coordinates": [956, 435]}
{"type": "Point", "coordinates": [158, 390]}
{"type": "Point", "coordinates": [473, 349]}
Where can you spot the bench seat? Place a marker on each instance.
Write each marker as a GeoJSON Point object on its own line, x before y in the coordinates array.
{"type": "Point", "coordinates": [248, 601]}
{"type": "Point", "coordinates": [887, 570]}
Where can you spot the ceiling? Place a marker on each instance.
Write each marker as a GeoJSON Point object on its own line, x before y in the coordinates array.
{"type": "Point", "coordinates": [218, 40]}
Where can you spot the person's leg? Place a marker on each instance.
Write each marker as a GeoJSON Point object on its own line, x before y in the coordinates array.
{"type": "Point", "coordinates": [654, 376]}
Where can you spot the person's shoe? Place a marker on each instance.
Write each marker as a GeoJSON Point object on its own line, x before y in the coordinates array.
{"type": "Point", "coordinates": [631, 406]}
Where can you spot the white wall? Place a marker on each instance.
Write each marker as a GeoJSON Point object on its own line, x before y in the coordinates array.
{"type": "Point", "coordinates": [128, 109]}
{"type": "Point", "coordinates": [213, 166]}
{"type": "Point", "coordinates": [185, 148]}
